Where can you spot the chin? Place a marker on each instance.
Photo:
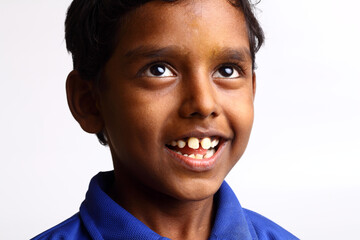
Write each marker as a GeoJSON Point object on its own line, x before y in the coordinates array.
{"type": "Point", "coordinates": [196, 189]}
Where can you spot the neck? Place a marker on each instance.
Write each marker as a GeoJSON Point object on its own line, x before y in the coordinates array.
{"type": "Point", "coordinates": [165, 215]}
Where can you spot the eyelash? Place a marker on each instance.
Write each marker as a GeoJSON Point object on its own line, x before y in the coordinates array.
{"type": "Point", "coordinates": [148, 67]}
{"type": "Point", "coordinates": [234, 65]}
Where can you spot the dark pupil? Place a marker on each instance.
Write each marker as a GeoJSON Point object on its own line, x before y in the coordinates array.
{"type": "Point", "coordinates": [157, 70]}
{"type": "Point", "coordinates": [226, 71]}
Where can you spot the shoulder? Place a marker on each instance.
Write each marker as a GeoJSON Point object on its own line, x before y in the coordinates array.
{"type": "Point", "coordinates": [266, 229]}
{"type": "Point", "coordinates": [71, 228]}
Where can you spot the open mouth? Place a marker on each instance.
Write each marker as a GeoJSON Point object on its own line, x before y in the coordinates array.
{"type": "Point", "coordinates": [196, 148]}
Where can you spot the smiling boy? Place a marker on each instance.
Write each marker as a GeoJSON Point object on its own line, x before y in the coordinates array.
{"type": "Point", "coordinates": [169, 87]}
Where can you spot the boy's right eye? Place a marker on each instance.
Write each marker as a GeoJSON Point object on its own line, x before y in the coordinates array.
{"type": "Point", "coordinates": [158, 70]}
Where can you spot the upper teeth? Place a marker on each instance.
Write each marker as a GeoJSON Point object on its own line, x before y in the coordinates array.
{"type": "Point", "coordinates": [181, 143]}
{"type": "Point", "coordinates": [206, 143]}
{"type": "Point", "coordinates": [214, 143]}
{"type": "Point", "coordinates": [195, 143]}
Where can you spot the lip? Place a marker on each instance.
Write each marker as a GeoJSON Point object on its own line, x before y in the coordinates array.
{"type": "Point", "coordinates": [199, 165]}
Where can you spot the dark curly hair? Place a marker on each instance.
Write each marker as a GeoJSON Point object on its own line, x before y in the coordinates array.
{"type": "Point", "coordinates": [91, 33]}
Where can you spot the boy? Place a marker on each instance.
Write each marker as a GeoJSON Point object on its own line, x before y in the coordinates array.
{"type": "Point", "coordinates": [169, 86]}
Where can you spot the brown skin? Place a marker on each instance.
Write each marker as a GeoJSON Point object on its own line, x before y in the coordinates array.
{"type": "Point", "coordinates": [140, 112]}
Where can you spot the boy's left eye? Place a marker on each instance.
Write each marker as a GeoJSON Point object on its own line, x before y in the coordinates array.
{"type": "Point", "coordinates": [227, 71]}
{"type": "Point", "coordinates": [158, 70]}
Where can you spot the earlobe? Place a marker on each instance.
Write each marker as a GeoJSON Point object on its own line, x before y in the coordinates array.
{"type": "Point", "coordinates": [83, 104]}
{"type": "Point", "coordinates": [254, 84]}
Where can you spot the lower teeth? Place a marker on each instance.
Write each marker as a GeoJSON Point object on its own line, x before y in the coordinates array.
{"type": "Point", "coordinates": [209, 154]}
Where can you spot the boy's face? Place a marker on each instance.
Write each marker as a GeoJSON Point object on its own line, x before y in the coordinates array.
{"type": "Point", "coordinates": [179, 71]}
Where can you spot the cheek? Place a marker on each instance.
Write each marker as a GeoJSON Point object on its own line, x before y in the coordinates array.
{"type": "Point", "coordinates": [241, 117]}
{"type": "Point", "coordinates": [134, 142]}
{"type": "Point", "coordinates": [134, 121]}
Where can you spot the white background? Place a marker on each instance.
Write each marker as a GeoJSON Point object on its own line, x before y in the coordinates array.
{"type": "Point", "coordinates": [301, 168]}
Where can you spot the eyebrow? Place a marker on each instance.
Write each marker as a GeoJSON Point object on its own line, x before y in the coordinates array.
{"type": "Point", "coordinates": [240, 54]}
{"type": "Point", "coordinates": [151, 51]}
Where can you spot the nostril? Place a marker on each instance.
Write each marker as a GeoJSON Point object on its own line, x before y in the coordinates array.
{"type": "Point", "coordinates": [202, 114]}
{"type": "Point", "coordinates": [194, 114]}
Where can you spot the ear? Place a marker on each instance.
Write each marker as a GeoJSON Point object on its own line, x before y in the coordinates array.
{"type": "Point", "coordinates": [254, 84]}
{"type": "Point", "coordinates": [82, 102]}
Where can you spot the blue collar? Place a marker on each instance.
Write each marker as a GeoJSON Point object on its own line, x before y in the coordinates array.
{"type": "Point", "coordinates": [105, 219]}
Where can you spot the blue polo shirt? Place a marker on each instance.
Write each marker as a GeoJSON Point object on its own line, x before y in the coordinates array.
{"type": "Point", "coordinates": [100, 218]}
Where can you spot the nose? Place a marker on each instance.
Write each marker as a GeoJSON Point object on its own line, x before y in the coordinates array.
{"type": "Point", "coordinates": [199, 97]}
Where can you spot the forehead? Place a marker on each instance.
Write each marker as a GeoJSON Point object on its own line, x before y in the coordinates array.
{"type": "Point", "coordinates": [201, 26]}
